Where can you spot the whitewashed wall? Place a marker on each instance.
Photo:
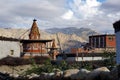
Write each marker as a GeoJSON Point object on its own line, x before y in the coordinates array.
{"type": "Point", "coordinates": [7, 46]}
{"type": "Point", "coordinates": [81, 58]}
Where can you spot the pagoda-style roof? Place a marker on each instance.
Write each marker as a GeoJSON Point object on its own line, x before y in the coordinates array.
{"type": "Point", "coordinates": [35, 41]}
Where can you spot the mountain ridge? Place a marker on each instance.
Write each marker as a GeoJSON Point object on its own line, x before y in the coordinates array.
{"type": "Point", "coordinates": [81, 32]}
{"type": "Point", "coordinates": [67, 41]}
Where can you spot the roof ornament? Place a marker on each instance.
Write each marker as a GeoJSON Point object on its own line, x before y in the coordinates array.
{"type": "Point", "coordinates": [34, 20]}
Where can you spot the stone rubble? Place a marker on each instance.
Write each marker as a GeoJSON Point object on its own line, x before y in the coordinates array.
{"type": "Point", "coordinates": [102, 73]}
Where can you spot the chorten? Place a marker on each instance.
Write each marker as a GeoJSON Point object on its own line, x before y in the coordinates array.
{"type": "Point", "coordinates": [54, 50]}
{"type": "Point", "coordinates": [34, 33]}
{"type": "Point", "coordinates": [34, 46]}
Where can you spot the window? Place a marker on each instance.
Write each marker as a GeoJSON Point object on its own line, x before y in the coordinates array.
{"type": "Point", "coordinates": [110, 38]}
{"type": "Point", "coordinates": [12, 52]}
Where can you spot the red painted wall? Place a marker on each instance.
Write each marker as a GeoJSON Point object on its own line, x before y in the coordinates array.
{"type": "Point", "coordinates": [110, 41]}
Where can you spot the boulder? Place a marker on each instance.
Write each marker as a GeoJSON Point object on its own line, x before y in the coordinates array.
{"type": "Point", "coordinates": [102, 73]}
{"type": "Point", "coordinates": [114, 73]}
{"type": "Point", "coordinates": [33, 75]}
{"type": "Point", "coordinates": [50, 75]}
{"type": "Point", "coordinates": [81, 75]}
{"type": "Point", "coordinates": [105, 69]}
{"type": "Point", "coordinates": [58, 73]}
{"type": "Point", "coordinates": [15, 75]}
{"type": "Point", "coordinates": [44, 76]}
{"type": "Point", "coordinates": [70, 72]}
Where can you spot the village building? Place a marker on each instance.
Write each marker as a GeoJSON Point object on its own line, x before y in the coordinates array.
{"type": "Point", "coordinates": [80, 50]}
{"type": "Point", "coordinates": [105, 42]}
{"type": "Point", "coordinates": [34, 46]}
{"type": "Point", "coordinates": [102, 41]}
{"type": "Point", "coordinates": [26, 48]}
{"type": "Point", "coordinates": [9, 47]}
{"type": "Point", "coordinates": [98, 44]}
{"type": "Point", "coordinates": [92, 50]}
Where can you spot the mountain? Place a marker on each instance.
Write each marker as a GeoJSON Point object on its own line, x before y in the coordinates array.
{"type": "Point", "coordinates": [68, 37]}
{"type": "Point", "coordinates": [81, 32]}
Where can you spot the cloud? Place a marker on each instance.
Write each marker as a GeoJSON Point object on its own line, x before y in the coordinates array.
{"type": "Point", "coordinates": [111, 6]}
{"type": "Point", "coordinates": [111, 10]}
{"type": "Point", "coordinates": [85, 8]}
{"type": "Point", "coordinates": [20, 12]}
{"type": "Point", "coordinates": [68, 15]}
{"type": "Point", "coordinates": [95, 14]}
{"type": "Point", "coordinates": [42, 9]}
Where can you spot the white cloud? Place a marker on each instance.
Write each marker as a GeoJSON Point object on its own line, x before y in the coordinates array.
{"type": "Point", "coordinates": [92, 3]}
{"type": "Point", "coordinates": [85, 8]}
{"type": "Point", "coordinates": [60, 13]}
{"type": "Point", "coordinates": [68, 15]}
{"type": "Point", "coordinates": [16, 12]}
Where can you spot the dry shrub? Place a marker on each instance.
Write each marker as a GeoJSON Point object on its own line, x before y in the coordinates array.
{"type": "Point", "coordinates": [40, 59]}
{"type": "Point", "coordinates": [15, 61]}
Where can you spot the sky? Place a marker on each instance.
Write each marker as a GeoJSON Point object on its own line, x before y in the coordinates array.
{"type": "Point", "coordinates": [98, 15]}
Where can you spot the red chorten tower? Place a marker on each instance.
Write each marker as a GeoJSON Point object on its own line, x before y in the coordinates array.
{"type": "Point", "coordinates": [54, 50]}
{"type": "Point", "coordinates": [34, 46]}
{"type": "Point", "coordinates": [34, 33]}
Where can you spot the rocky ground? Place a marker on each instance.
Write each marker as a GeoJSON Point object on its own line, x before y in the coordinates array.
{"type": "Point", "coordinates": [102, 73]}
{"type": "Point", "coordinates": [14, 69]}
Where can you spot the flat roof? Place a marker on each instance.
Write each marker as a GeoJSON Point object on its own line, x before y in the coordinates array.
{"type": "Point", "coordinates": [102, 35]}
{"type": "Point", "coordinates": [2, 38]}
{"type": "Point", "coordinates": [35, 41]}
{"type": "Point", "coordinates": [82, 54]}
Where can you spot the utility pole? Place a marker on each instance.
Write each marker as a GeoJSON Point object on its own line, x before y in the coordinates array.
{"type": "Point", "coordinates": [59, 43]}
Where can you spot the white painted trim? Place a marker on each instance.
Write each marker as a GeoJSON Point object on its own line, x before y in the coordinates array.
{"type": "Point", "coordinates": [81, 58]}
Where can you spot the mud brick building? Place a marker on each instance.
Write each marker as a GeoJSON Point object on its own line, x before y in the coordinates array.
{"type": "Point", "coordinates": [102, 41]}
